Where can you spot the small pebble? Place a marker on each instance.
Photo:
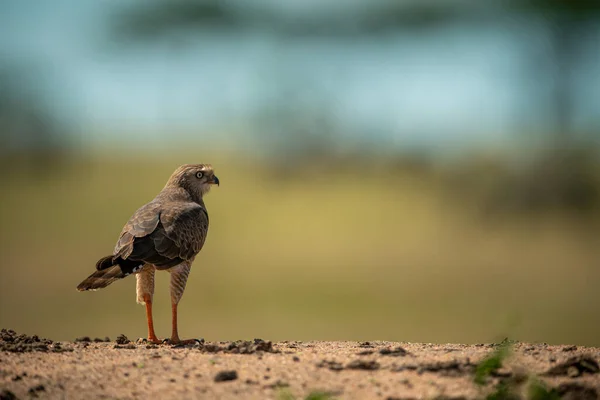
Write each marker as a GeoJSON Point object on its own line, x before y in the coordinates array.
{"type": "Point", "coordinates": [224, 376]}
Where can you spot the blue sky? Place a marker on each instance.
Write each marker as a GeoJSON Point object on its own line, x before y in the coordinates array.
{"type": "Point", "coordinates": [450, 85]}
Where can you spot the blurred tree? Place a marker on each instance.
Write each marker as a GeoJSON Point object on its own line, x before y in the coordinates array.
{"type": "Point", "coordinates": [148, 22]}
{"type": "Point", "coordinates": [299, 128]}
{"type": "Point", "coordinates": [154, 19]}
{"type": "Point", "coordinates": [568, 23]}
{"type": "Point", "coordinates": [298, 131]}
{"type": "Point", "coordinates": [565, 173]}
{"type": "Point", "coordinates": [29, 137]}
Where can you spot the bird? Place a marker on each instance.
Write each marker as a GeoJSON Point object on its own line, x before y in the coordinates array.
{"type": "Point", "coordinates": [165, 234]}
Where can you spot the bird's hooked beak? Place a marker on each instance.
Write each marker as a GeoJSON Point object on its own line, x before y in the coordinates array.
{"type": "Point", "coordinates": [215, 180]}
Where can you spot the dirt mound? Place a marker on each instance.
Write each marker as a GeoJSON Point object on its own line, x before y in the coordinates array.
{"type": "Point", "coordinates": [87, 339]}
{"type": "Point", "coordinates": [444, 368]}
{"type": "Point", "coordinates": [239, 347]}
{"type": "Point", "coordinates": [21, 343]}
{"type": "Point", "coordinates": [575, 366]}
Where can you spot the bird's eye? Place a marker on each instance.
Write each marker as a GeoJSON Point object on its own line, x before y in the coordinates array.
{"type": "Point", "coordinates": [199, 175]}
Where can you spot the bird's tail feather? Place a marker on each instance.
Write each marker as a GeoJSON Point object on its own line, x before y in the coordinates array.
{"type": "Point", "coordinates": [101, 279]}
{"type": "Point", "coordinates": [105, 262]}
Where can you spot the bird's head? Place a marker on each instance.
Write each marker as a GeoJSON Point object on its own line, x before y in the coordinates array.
{"type": "Point", "coordinates": [196, 179]}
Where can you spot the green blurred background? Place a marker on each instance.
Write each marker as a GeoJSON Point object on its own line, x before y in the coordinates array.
{"type": "Point", "coordinates": [393, 170]}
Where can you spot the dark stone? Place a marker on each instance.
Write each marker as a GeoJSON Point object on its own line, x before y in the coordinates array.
{"type": "Point", "coordinates": [224, 376]}
{"type": "Point", "coordinates": [364, 365]}
{"type": "Point", "coordinates": [396, 352]}
{"type": "Point", "coordinates": [33, 391]}
{"type": "Point", "coordinates": [365, 353]}
{"type": "Point", "coordinates": [7, 395]}
{"type": "Point", "coordinates": [332, 365]}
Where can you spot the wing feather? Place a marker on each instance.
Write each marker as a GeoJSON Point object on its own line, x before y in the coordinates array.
{"type": "Point", "coordinates": [143, 222]}
{"type": "Point", "coordinates": [164, 235]}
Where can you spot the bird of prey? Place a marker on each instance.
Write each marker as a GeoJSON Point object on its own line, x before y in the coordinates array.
{"type": "Point", "coordinates": [166, 235]}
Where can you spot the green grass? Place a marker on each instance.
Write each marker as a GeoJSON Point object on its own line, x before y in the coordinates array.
{"type": "Point", "coordinates": [319, 396]}
{"type": "Point", "coordinates": [530, 388]}
{"type": "Point", "coordinates": [539, 391]}
{"type": "Point", "coordinates": [285, 394]}
{"type": "Point", "coordinates": [534, 389]}
{"type": "Point", "coordinates": [492, 363]}
{"type": "Point", "coordinates": [330, 257]}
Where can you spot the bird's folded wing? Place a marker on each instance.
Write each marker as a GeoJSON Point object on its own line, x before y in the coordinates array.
{"type": "Point", "coordinates": [143, 222]}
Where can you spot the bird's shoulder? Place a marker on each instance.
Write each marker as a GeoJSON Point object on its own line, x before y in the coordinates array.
{"type": "Point", "coordinates": [181, 213]}
{"type": "Point", "coordinates": [144, 220]}
{"type": "Point", "coordinates": [142, 223]}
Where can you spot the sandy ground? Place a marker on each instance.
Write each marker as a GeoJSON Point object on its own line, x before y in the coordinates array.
{"type": "Point", "coordinates": [33, 367]}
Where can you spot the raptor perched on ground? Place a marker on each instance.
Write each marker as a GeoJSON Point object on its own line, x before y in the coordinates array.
{"type": "Point", "coordinates": [166, 235]}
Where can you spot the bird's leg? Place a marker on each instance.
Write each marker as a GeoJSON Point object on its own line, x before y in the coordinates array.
{"type": "Point", "coordinates": [145, 292]}
{"type": "Point", "coordinates": [174, 332]}
{"type": "Point", "coordinates": [179, 277]}
{"type": "Point", "coordinates": [151, 335]}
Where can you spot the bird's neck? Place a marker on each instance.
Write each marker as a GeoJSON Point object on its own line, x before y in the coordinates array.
{"type": "Point", "coordinates": [200, 201]}
{"type": "Point", "coordinates": [180, 194]}
{"type": "Point", "coordinates": [196, 198]}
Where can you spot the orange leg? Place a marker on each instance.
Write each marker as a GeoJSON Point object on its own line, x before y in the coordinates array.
{"type": "Point", "coordinates": [175, 335]}
{"type": "Point", "coordinates": [151, 335]}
